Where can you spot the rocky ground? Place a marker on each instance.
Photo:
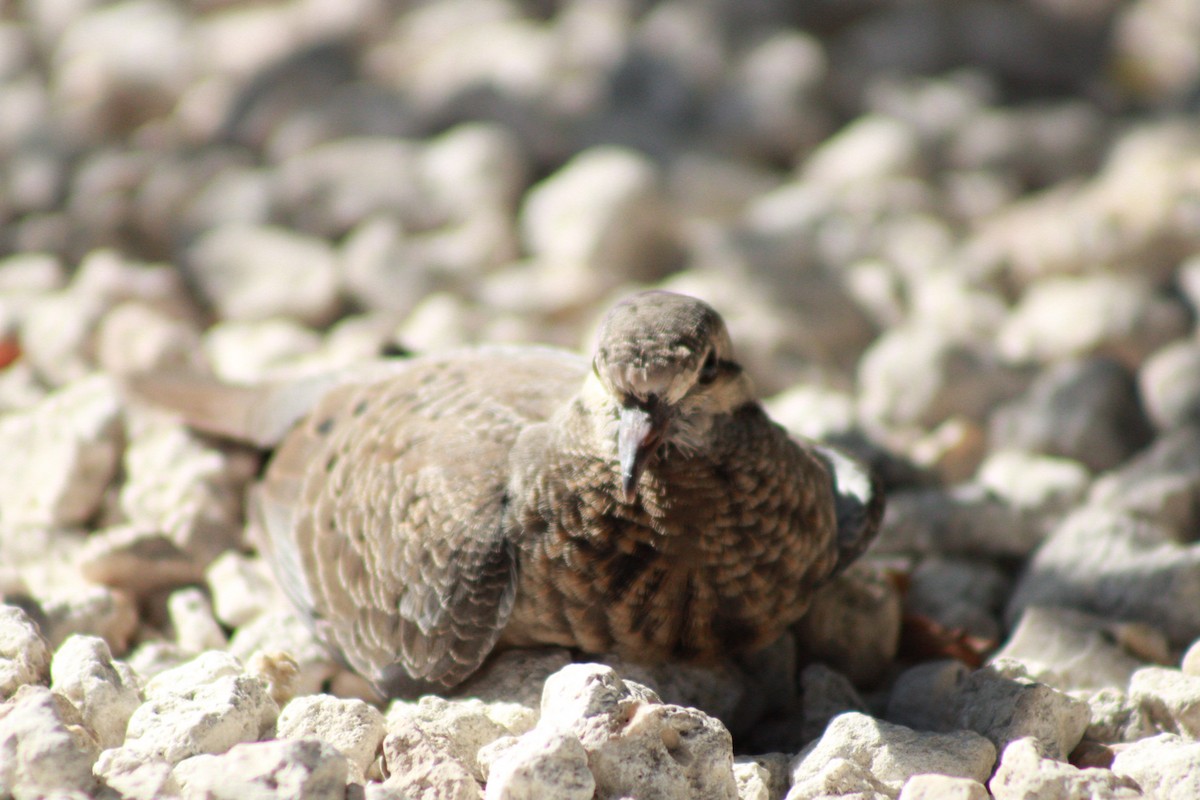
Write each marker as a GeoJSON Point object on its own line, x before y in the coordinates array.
{"type": "Point", "coordinates": [961, 238]}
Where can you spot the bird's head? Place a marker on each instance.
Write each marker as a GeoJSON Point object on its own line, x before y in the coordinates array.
{"type": "Point", "coordinates": [665, 364]}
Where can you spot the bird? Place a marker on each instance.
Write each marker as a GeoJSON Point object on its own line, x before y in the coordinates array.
{"type": "Point", "coordinates": [421, 512]}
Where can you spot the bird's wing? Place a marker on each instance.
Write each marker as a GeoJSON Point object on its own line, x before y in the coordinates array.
{"type": "Point", "coordinates": [383, 509]}
{"type": "Point", "coordinates": [858, 503]}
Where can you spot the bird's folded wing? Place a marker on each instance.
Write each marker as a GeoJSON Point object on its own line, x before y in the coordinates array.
{"type": "Point", "coordinates": [383, 512]}
{"type": "Point", "coordinates": [858, 502]}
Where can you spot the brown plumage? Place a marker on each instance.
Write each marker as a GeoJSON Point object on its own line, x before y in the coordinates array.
{"type": "Point", "coordinates": [420, 512]}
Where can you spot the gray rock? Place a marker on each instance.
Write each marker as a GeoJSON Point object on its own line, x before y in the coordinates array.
{"type": "Point", "coordinates": [106, 693]}
{"type": "Point", "coordinates": [718, 690]}
{"type": "Point", "coordinates": [1162, 483]}
{"type": "Point", "coordinates": [252, 272]}
{"type": "Point", "coordinates": [332, 187]}
{"type": "Point", "coordinates": [1116, 566]}
{"type": "Point", "coordinates": [516, 677]}
{"type": "Point", "coordinates": [1086, 410]}
{"type": "Point", "coordinates": [46, 747]}
{"type": "Point", "coordinates": [1164, 766]}
{"type": "Point", "coordinates": [1169, 385]}
{"type": "Point", "coordinates": [305, 769]}
{"type": "Point", "coordinates": [1044, 486]}
{"type": "Point", "coordinates": [958, 594]}
{"type": "Point", "coordinates": [1069, 650]}
{"type": "Point", "coordinates": [1002, 703]}
{"type": "Point", "coordinates": [62, 455]}
{"type": "Point", "coordinates": [1170, 698]}
{"type": "Point", "coordinates": [24, 654]}
{"type": "Point", "coordinates": [965, 520]}
{"type": "Point", "coordinates": [825, 693]}
{"type": "Point", "coordinates": [926, 696]}
{"type": "Point", "coordinates": [1024, 773]}
{"type": "Point", "coordinates": [886, 755]}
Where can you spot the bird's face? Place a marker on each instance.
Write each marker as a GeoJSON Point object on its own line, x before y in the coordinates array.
{"type": "Point", "coordinates": [665, 366]}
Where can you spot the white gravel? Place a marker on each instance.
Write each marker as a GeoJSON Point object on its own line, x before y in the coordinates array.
{"type": "Point", "coordinates": [961, 239]}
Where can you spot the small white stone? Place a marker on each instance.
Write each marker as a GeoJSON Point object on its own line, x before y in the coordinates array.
{"type": "Point", "coordinates": [45, 746]}
{"type": "Point", "coordinates": [242, 588]}
{"type": "Point", "coordinates": [252, 351]}
{"type": "Point", "coordinates": [192, 619]}
{"type": "Point", "coordinates": [24, 654]}
{"type": "Point", "coordinates": [135, 337]}
{"type": "Point", "coordinates": [1025, 772]}
{"type": "Point", "coordinates": [891, 754]}
{"type": "Point", "coordinates": [355, 728]}
{"type": "Point", "coordinates": [1171, 697]}
{"type": "Point", "coordinates": [541, 765]}
{"type": "Point", "coordinates": [943, 787]}
{"type": "Point", "coordinates": [301, 768]}
{"type": "Point", "coordinates": [83, 671]}
{"type": "Point", "coordinates": [204, 706]}
{"type": "Point", "coordinates": [1164, 766]}
{"type": "Point", "coordinates": [256, 272]}
{"type": "Point", "coordinates": [282, 631]}
{"type": "Point", "coordinates": [179, 484]}
{"type": "Point", "coordinates": [61, 455]}
{"type": "Point", "coordinates": [460, 726]}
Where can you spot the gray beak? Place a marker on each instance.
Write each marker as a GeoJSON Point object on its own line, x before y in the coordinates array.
{"type": "Point", "coordinates": [639, 432]}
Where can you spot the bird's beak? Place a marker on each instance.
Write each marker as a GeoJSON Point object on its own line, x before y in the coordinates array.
{"type": "Point", "coordinates": [639, 431]}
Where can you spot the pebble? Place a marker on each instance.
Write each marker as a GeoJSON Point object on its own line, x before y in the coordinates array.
{"type": "Point", "coordinates": [355, 728]}
{"type": "Point", "coordinates": [47, 746]}
{"type": "Point", "coordinates": [62, 455]}
{"type": "Point", "coordinates": [858, 753]}
{"type": "Point", "coordinates": [105, 692]}
{"type": "Point", "coordinates": [1085, 409]}
{"type": "Point", "coordinates": [307, 768]}
{"type": "Point", "coordinates": [177, 719]}
{"type": "Point", "coordinates": [1025, 772]}
{"type": "Point", "coordinates": [1116, 566]}
{"type": "Point", "coordinates": [983, 277]}
{"type": "Point", "coordinates": [250, 272]}
{"type": "Point", "coordinates": [1004, 704]}
{"type": "Point", "coordinates": [24, 654]}
{"type": "Point", "coordinates": [1163, 765]}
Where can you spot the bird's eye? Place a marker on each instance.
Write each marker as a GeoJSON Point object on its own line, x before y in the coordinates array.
{"type": "Point", "coordinates": [711, 368]}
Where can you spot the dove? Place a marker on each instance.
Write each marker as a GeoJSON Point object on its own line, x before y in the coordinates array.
{"type": "Point", "coordinates": [422, 512]}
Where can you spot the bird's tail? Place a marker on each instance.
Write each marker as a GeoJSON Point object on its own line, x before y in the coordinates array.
{"type": "Point", "coordinates": [259, 415]}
